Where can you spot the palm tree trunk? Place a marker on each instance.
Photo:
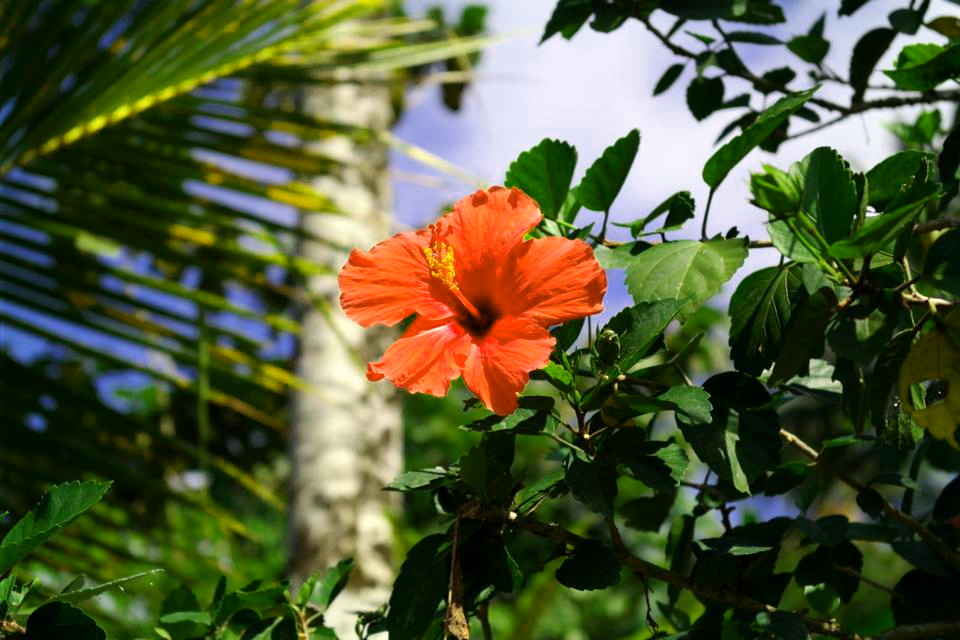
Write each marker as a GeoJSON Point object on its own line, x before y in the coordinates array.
{"type": "Point", "coordinates": [346, 438]}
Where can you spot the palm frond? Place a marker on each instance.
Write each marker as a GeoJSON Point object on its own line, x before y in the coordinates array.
{"type": "Point", "coordinates": [155, 175]}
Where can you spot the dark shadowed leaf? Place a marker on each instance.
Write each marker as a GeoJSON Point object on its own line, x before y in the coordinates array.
{"type": "Point", "coordinates": [866, 54]}
{"type": "Point", "coordinates": [590, 566]}
{"type": "Point", "coordinates": [668, 78]}
{"type": "Point", "coordinates": [419, 588]}
{"type": "Point", "coordinates": [648, 513]}
{"type": "Point", "coordinates": [804, 335]}
{"type": "Point", "coordinates": [921, 597]}
{"type": "Point", "coordinates": [704, 96]}
{"type": "Point", "coordinates": [567, 18]}
{"type": "Point", "coordinates": [941, 266]}
{"type": "Point", "coordinates": [760, 310]}
{"type": "Point", "coordinates": [61, 621]}
{"type": "Point", "coordinates": [742, 442]}
{"type": "Point", "coordinates": [593, 483]}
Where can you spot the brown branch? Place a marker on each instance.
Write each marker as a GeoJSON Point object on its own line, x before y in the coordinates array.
{"type": "Point", "coordinates": [844, 111]}
{"type": "Point", "coordinates": [9, 626]}
{"type": "Point", "coordinates": [842, 568]}
{"type": "Point", "coordinates": [946, 222]}
{"type": "Point", "coordinates": [645, 570]}
{"type": "Point", "coordinates": [888, 509]}
{"type": "Point", "coordinates": [921, 631]}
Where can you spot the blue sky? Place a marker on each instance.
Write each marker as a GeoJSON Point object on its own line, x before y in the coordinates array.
{"type": "Point", "coordinates": [593, 89]}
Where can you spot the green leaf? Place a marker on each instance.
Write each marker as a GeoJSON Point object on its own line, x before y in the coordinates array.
{"type": "Point", "coordinates": [921, 67]}
{"type": "Point", "coordinates": [423, 479]}
{"type": "Point", "coordinates": [56, 509]}
{"type": "Point", "coordinates": [890, 177]}
{"type": "Point", "coordinates": [730, 154]}
{"type": "Point", "coordinates": [668, 78]}
{"type": "Point", "coordinates": [704, 96]}
{"type": "Point", "coordinates": [332, 583]}
{"type": "Point", "coordinates": [742, 442]}
{"type": "Point", "coordinates": [533, 416]}
{"type": "Point", "coordinates": [829, 193]}
{"type": "Point", "coordinates": [811, 47]}
{"type": "Point", "coordinates": [419, 589]}
{"type": "Point", "coordinates": [590, 566]}
{"type": "Point", "coordinates": [690, 401]}
{"type": "Point", "coordinates": [685, 270]}
{"type": "Point", "coordinates": [760, 311]}
{"type": "Point", "coordinates": [605, 177]}
{"type": "Point", "coordinates": [659, 465]}
{"type": "Point", "coordinates": [880, 231]}
{"type": "Point", "coordinates": [592, 483]}
{"type": "Point", "coordinates": [637, 329]}
{"type": "Point", "coordinates": [558, 376]}
{"type": "Point", "coordinates": [730, 546]}
{"type": "Point", "coordinates": [544, 173]}
{"type": "Point", "coordinates": [79, 595]}
{"type": "Point", "coordinates": [804, 336]}
{"type": "Point", "coordinates": [61, 621]}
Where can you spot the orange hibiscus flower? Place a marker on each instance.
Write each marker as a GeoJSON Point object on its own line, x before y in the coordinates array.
{"type": "Point", "coordinates": [483, 297]}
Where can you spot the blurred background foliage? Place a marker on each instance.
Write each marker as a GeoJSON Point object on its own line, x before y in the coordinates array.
{"type": "Point", "coordinates": [155, 174]}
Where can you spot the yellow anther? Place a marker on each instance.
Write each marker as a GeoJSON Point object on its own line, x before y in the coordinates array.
{"type": "Point", "coordinates": [440, 260]}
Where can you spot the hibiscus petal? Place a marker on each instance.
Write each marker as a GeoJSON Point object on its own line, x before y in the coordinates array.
{"type": "Point", "coordinates": [426, 358]}
{"type": "Point", "coordinates": [391, 282]}
{"type": "Point", "coordinates": [499, 366]}
{"type": "Point", "coordinates": [485, 226]}
{"type": "Point", "coordinates": [553, 280]}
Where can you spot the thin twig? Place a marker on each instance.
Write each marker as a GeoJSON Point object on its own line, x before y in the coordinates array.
{"type": "Point", "coordinates": [483, 614]}
{"type": "Point", "coordinates": [645, 570]}
{"type": "Point", "coordinates": [927, 97]}
{"type": "Point", "coordinates": [844, 569]}
{"type": "Point", "coordinates": [891, 511]}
